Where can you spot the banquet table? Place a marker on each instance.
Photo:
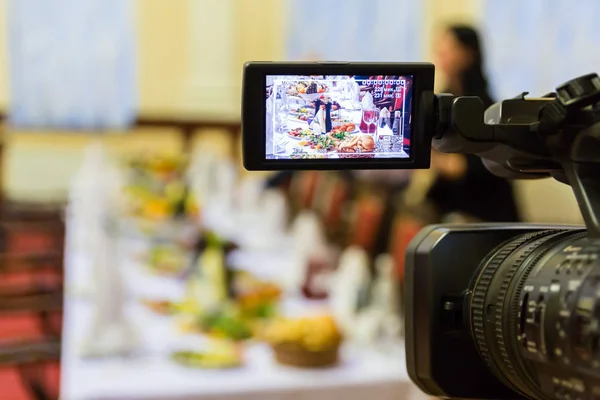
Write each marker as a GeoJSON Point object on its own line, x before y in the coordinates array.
{"type": "Point", "coordinates": [150, 374]}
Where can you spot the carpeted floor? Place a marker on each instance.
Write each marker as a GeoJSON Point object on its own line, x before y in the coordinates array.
{"type": "Point", "coordinates": [10, 383]}
{"type": "Point", "coordinates": [24, 326]}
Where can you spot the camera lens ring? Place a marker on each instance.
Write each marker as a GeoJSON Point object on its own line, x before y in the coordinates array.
{"type": "Point", "coordinates": [510, 292]}
{"type": "Point", "coordinates": [550, 246]}
{"type": "Point", "coordinates": [479, 302]}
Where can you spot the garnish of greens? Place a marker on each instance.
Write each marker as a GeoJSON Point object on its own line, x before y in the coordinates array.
{"type": "Point", "coordinates": [229, 326]}
{"type": "Point", "coordinates": [326, 143]}
{"type": "Point", "coordinates": [340, 135]}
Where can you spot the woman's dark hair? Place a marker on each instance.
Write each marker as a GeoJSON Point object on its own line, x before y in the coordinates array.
{"type": "Point", "coordinates": [472, 80]}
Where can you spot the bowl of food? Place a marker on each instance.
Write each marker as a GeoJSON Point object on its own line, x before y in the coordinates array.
{"type": "Point", "coordinates": [309, 342]}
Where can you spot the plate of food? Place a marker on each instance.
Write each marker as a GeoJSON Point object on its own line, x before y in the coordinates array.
{"type": "Point", "coordinates": [308, 88]}
{"type": "Point", "coordinates": [348, 127]}
{"type": "Point", "coordinates": [299, 133]}
{"type": "Point", "coordinates": [218, 356]}
{"type": "Point", "coordinates": [302, 118]}
{"type": "Point", "coordinates": [305, 155]}
{"type": "Point", "coordinates": [357, 146]}
{"type": "Point", "coordinates": [323, 143]}
{"type": "Point", "coordinates": [302, 110]}
{"type": "Point", "coordinates": [339, 136]}
{"type": "Point", "coordinates": [166, 259]}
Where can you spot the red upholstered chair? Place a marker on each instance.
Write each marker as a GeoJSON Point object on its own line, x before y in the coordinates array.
{"type": "Point", "coordinates": [331, 201]}
{"type": "Point", "coordinates": [404, 230]}
{"type": "Point", "coordinates": [303, 189]}
{"type": "Point", "coordinates": [31, 296]}
{"type": "Point", "coordinates": [365, 221]}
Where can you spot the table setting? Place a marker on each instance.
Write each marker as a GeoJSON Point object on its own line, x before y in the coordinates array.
{"type": "Point", "coordinates": [225, 311]}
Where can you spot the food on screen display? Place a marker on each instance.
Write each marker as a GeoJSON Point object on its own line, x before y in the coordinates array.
{"type": "Point", "coordinates": [308, 88]}
{"type": "Point", "coordinates": [303, 155]}
{"type": "Point", "coordinates": [302, 110]}
{"type": "Point", "coordinates": [344, 127]}
{"type": "Point", "coordinates": [323, 110]}
{"type": "Point", "coordinates": [299, 133]}
{"type": "Point", "coordinates": [301, 114]}
{"type": "Point", "coordinates": [357, 144]}
{"type": "Point", "coordinates": [339, 135]}
{"type": "Point", "coordinates": [319, 142]}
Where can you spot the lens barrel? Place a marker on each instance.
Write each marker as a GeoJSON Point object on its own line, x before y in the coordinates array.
{"type": "Point", "coordinates": [534, 314]}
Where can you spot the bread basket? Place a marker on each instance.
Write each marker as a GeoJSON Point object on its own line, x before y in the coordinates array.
{"type": "Point", "coordinates": [295, 355]}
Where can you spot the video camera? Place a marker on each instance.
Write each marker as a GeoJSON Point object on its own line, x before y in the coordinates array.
{"type": "Point", "coordinates": [492, 311]}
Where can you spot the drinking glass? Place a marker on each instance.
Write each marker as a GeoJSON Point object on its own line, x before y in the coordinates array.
{"type": "Point", "coordinates": [370, 116]}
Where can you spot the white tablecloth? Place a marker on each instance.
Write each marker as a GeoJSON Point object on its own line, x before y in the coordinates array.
{"type": "Point", "coordinates": [363, 373]}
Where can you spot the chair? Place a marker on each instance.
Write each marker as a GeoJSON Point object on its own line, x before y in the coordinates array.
{"type": "Point", "coordinates": [365, 220]}
{"type": "Point", "coordinates": [331, 200]}
{"type": "Point", "coordinates": [31, 284]}
{"type": "Point", "coordinates": [303, 189]}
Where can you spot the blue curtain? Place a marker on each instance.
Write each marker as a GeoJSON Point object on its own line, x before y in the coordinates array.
{"type": "Point", "coordinates": [72, 64]}
{"type": "Point", "coordinates": [355, 30]}
{"type": "Point", "coordinates": [535, 45]}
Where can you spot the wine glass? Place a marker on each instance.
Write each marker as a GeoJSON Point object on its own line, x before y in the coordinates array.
{"type": "Point", "coordinates": [370, 116]}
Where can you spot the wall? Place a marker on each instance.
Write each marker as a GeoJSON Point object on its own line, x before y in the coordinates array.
{"type": "Point", "coordinates": [543, 200]}
{"type": "Point", "coordinates": [175, 62]}
{"type": "Point", "coordinates": [41, 164]}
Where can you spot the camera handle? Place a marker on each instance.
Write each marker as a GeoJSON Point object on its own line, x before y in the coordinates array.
{"type": "Point", "coordinates": [571, 131]}
{"type": "Point", "coordinates": [532, 138]}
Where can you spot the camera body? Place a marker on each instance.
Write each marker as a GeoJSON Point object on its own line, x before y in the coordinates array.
{"type": "Point", "coordinates": [505, 314]}
{"type": "Point", "coordinates": [491, 311]}
{"type": "Point", "coordinates": [440, 352]}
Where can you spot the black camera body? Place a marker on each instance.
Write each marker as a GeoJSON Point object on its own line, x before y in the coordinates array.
{"type": "Point", "coordinates": [512, 323]}
{"type": "Point", "coordinates": [492, 311]}
{"type": "Point", "coordinates": [513, 311]}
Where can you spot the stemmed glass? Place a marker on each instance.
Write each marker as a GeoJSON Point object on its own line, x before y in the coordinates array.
{"type": "Point", "coordinates": [370, 116]}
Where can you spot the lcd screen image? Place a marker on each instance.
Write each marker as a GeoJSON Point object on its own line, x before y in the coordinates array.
{"type": "Point", "coordinates": [338, 117]}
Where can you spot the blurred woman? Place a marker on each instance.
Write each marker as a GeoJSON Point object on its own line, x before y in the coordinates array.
{"type": "Point", "coordinates": [463, 184]}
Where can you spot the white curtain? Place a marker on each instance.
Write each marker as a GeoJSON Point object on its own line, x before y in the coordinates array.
{"type": "Point", "coordinates": [355, 30]}
{"type": "Point", "coordinates": [72, 63]}
{"type": "Point", "coordinates": [535, 45]}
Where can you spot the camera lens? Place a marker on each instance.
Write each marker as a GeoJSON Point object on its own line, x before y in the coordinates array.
{"type": "Point", "coordinates": [534, 313]}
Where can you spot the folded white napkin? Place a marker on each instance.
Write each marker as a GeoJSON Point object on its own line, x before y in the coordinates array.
{"type": "Point", "coordinates": [249, 194]}
{"type": "Point", "coordinates": [349, 282]}
{"type": "Point", "coordinates": [111, 333]}
{"type": "Point", "coordinates": [308, 240]}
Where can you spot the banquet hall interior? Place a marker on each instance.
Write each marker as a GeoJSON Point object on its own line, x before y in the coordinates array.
{"type": "Point", "coordinates": [141, 261]}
